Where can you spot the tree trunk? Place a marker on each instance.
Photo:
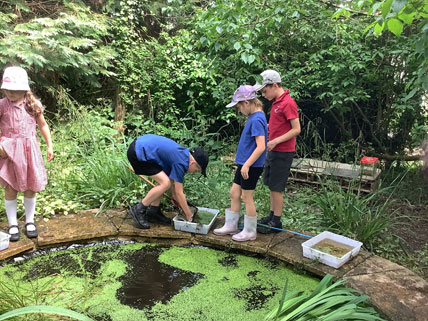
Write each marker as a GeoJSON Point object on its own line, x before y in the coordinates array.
{"type": "Point", "coordinates": [119, 112]}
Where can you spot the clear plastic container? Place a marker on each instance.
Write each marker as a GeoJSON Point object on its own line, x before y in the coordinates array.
{"type": "Point", "coordinates": [4, 241]}
{"type": "Point", "coordinates": [329, 259]}
{"type": "Point", "coordinates": [185, 226]}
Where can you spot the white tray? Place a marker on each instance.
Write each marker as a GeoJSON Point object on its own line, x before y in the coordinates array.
{"type": "Point", "coordinates": [326, 258]}
{"type": "Point", "coordinates": [4, 241]}
{"type": "Point", "coordinates": [195, 227]}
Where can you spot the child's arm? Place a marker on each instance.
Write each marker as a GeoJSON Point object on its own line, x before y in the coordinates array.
{"type": "Point", "coordinates": [293, 132]}
{"type": "Point", "coordinates": [261, 146]}
{"type": "Point", "coordinates": [178, 194]}
{"type": "Point", "coordinates": [46, 133]}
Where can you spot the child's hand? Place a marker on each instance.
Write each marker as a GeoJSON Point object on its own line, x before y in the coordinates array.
{"type": "Point", "coordinates": [189, 219]}
{"type": "Point", "coordinates": [50, 154]}
{"type": "Point", "coordinates": [271, 145]}
{"type": "Point", "coordinates": [2, 152]}
{"type": "Point", "coordinates": [244, 171]}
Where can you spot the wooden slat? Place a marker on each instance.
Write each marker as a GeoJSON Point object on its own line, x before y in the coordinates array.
{"type": "Point", "coordinates": [309, 170]}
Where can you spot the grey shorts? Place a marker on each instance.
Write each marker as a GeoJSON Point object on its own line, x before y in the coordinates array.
{"type": "Point", "coordinates": [277, 170]}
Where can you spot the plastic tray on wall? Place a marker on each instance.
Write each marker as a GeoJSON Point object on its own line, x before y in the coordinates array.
{"type": "Point", "coordinates": [185, 226]}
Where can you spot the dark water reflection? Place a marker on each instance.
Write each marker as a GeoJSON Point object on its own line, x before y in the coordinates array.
{"type": "Point", "coordinates": [148, 281]}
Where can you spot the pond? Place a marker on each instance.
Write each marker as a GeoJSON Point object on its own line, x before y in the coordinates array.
{"type": "Point", "coordinates": [142, 281]}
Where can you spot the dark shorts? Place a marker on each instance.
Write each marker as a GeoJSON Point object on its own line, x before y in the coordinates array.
{"type": "Point", "coordinates": [141, 168]}
{"type": "Point", "coordinates": [277, 170]}
{"type": "Point", "coordinates": [253, 176]}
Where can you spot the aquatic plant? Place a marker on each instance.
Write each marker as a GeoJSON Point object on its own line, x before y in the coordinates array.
{"type": "Point", "coordinates": [45, 309]}
{"type": "Point", "coordinates": [18, 291]}
{"type": "Point", "coordinates": [141, 281]}
{"type": "Point", "coordinates": [328, 302]}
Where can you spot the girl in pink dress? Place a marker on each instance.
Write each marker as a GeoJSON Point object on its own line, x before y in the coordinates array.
{"type": "Point", "coordinates": [21, 162]}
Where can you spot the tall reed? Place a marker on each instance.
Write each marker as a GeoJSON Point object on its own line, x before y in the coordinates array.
{"type": "Point", "coordinates": [350, 212]}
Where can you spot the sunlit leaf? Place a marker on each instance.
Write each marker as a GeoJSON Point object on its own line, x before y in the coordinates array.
{"type": "Point", "coordinates": [395, 26]}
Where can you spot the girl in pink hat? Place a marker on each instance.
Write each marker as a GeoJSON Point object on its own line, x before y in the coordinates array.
{"type": "Point", "coordinates": [21, 162]}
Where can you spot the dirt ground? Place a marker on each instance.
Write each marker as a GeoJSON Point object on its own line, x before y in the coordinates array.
{"type": "Point", "coordinates": [414, 232]}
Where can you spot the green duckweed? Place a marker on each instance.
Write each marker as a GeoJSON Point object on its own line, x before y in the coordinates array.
{"type": "Point", "coordinates": [230, 286]}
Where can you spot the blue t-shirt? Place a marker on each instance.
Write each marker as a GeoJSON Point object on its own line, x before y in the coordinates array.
{"type": "Point", "coordinates": [173, 158]}
{"type": "Point", "coordinates": [256, 126]}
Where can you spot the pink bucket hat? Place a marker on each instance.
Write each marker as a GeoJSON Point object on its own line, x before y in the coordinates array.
{"type": "Point", "coordinates": [245, 92]}
{"type": "Point", "coordinates": [15, 78]}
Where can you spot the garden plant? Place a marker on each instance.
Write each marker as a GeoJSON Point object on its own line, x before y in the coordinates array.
{"type": "Point", "coordinates": [107, 71]}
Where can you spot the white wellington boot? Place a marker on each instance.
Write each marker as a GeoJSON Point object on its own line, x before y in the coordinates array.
{"type": "Point", "coordinates": [249, 233]}
{"type": "Point", "coordinates": [230, 226]}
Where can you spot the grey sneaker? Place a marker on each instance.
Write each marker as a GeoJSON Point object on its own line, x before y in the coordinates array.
{"type": "Point", "coordinates": [139, 214]}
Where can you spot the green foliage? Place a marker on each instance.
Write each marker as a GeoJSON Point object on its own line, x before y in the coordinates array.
{"type": "Point", "coordinates": [409, 17]}
{"type": "Point", "coordinates": [106, 182]}
{"type": "Point", "coordinates": [35, 297]}
{"type": "Point", "coordinates": [413, 185]}
{"type": "Point", "coordinates": [329, 301]}
{"type": "Point", "coordinates": [179, 59]}
{"type": "Point", "coordinates": [364, 217]}
{"type": "Point", "coordinates": [212, 192]}
{"type": "Point", "coordinates": [358, 84]}
{"type": "Point", "coordinates": [418, 262]}
{"type": "Point", "coordinates": [95, 173]}
{"type": "Point", "coordinates": [69, 44]}
{"type": "Point", "coordinates": [45, 309]}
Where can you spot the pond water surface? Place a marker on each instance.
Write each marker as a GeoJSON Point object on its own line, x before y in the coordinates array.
{"type": "Point", "coordinates": [140, 281]}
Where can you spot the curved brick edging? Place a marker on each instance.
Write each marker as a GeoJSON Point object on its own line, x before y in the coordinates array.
{"type": "Point", "coordinates": [396, 292]}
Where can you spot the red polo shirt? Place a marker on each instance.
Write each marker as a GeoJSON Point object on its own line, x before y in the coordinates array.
{"type": "Point", "coordinates": [284, 108]}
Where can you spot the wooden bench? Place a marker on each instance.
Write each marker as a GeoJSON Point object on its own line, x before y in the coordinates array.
{"type": "Point", "coordinates": [307, 170]}
{"type": "Point", "coordinates": [310, 170]}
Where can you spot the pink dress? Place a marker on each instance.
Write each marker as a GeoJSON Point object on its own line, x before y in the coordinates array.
{"type": "Point", "coordinates": [23, 169]}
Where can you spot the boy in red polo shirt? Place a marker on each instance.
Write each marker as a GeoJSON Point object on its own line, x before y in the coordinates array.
{"type": "Point", "coordinates": [284, 126]}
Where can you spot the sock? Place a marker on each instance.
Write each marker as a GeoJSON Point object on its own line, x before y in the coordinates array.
{"type": "Point", "coordinates": [30, 208]}
{"type": "Point", "coordinates": [276, 219]}
{"type": "Point", "coordinates": [10, 206]}
{"type": "Point", "coordinates": [271, 215]}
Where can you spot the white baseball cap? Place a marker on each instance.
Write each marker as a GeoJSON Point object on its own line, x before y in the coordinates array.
{"type": "Point", "coordinates": [15, 78]}
{"type": "Point", "coordinates": [269, 77]}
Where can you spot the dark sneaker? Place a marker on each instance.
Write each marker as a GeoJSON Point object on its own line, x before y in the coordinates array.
{"type": "Point", "coordinates": [269, 227]}
{"type": "Point", "coordinates": [265, 220]}
{"type": "Point", "coordinates": [155, 215]}
{"type": "Point", "coordinates": [139, 214]}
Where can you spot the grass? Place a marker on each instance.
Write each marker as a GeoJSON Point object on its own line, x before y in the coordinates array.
{"type": "Point", "coordinates": [413, 187]}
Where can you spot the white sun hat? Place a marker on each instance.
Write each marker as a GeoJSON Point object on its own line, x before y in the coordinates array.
{"type": "Point", "coordinates": [15, 78]}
